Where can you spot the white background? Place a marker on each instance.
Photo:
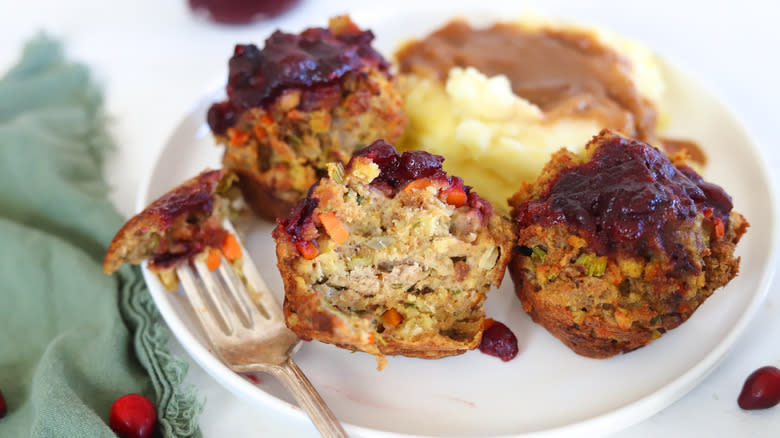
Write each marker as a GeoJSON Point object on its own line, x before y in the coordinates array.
{"type": "Point", "coordinates": [153, 58]}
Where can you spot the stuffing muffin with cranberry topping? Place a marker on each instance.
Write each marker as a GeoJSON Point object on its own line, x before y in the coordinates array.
{"type": "Point", "coordinates": [617, 248]}
{"type": "Point", "coordinates": [184, 223]}
{"type": "Point", "coordinates": [299, 103]}
{"type": "Point", "coordinates": [391, 256]}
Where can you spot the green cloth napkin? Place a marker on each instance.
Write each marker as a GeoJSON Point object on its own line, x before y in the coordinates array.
{"type": "Point", "coordinates": [72, 339]}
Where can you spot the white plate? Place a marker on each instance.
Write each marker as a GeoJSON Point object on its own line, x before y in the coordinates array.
{"type": "Point", "coordinates": [547, 390]}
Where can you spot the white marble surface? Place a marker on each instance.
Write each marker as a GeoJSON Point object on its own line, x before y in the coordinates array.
{"type": "Point", "coordinates": [153, 58]}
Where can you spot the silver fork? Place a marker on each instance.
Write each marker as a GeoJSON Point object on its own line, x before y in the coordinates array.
{"type": "Point", "coordinates": [250, 334]}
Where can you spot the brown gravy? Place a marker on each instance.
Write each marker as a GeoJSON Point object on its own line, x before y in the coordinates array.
{"type": "Point", "coordinates": [563, 73]}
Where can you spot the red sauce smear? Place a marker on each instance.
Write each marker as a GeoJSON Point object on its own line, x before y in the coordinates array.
{"type": "Point", "coordinates": [629, 195]}
{"type": "Point", "coordinates": [498, 341]}
{"type": "Point", "coordinates": [311, 61]}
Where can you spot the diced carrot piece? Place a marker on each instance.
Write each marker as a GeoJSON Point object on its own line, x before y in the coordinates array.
{"type": "Point", "coordinates": [237, 137]}
{"type": "Point", "coordinates": [457, 197]}
{"type": "Point", "coordinates": [487, 323]}
{"type": "Point", "coordinates": [334, 227]}
{"type": "Point", "coordinates": [418, 184]}
{"type": "Point", "coordinates": [391, 318]}
{"type": "Point", "coordinates": [267, 119]}
{"type": "Point", "coordinates": [296, 114]}
{"type": "Point", "coordinates": [720, 230]}
{"type": "Point", "coordinates": [308, 249]}
{"type": "Point", "coordinates": [231, 248]}
{"type": "Point", "coordinates": [212, 259]}
{"type": "Point", "coordinates": [259, 132]}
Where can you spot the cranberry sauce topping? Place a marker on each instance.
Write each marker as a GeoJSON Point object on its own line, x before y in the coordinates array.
{"type": "Point", "coordinates": [188, 241]}
{"type": "Point", "coordinates": [298, 225]}
{"type": "Point", "coordinates": [397, 170]}
{"type": "Point", "coordinates": [629, 194]}
{"type": "Point", "coordinates": [317, 57]}
{"type": "Point", "coordinates": [192, 197]}
{"type": "Point", "coordinates": [499, 341]}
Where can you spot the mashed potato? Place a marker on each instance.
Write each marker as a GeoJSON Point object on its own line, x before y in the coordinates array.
{"type": "Point", "coordinates": [493, 138]}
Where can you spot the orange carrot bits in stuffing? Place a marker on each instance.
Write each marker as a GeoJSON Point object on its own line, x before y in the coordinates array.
{"type": "Point", "coordinates": [308, 249]}
{"type": "Point", "coordinates": [417, 184]}
{"type": "Point", "coordinates": [259, 132]}
{"type": "Point", "coordinates": [231, 248]}
{"type": "Point", "coordinates": [457, 197]}
{"type": "Point", "coordinates": [334, 227]}
{"type": "Point", "coordinates": [212, 259]}
{"type": "Point", "coordinates": [391, 318]}
{"type": "Point", "coordinates": [720, 229]}
{"type": "Point", "coordinates": [237, 137]}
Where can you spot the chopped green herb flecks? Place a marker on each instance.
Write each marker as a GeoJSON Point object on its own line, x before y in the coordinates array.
{"type": "Point", "coordinates": [655, 320]}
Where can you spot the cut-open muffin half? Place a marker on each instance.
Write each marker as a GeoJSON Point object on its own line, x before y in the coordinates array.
{"type": "Point", "coordinates": [390, 255]}
{"type": "Point", "coordinates": [183, 223]}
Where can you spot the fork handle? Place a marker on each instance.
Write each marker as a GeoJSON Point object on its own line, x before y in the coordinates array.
{"type": "Point", "coordinates": [309, 399]}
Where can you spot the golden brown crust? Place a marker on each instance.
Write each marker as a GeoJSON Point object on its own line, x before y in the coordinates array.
{"type": "Point", "coordinates": [280, 151]}
{"type": "Point", "coordinates": [599, 334]}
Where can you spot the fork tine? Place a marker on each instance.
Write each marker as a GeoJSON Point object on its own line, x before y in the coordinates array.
{"type": "Point", "coordinates": [219, 296]}
{"type": "Point", "coordinates": [194, 292]}
{"type": "Point", "coordinates": [238, 289]}
{"type": "Point", "coordinates": [255, 281]}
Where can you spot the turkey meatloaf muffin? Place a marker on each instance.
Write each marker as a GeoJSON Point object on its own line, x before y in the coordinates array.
{"type": "Point", "coordinates": [183, 223]}
{"type": "Point", "coordinates": [300, 102]}
{"type": "Point", "coordinates": [391, 256]}
{"type": "Point", "coordinates": [617, 248]}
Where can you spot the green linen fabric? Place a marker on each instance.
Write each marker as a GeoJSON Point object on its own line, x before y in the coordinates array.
{"type": "Point", "coordinates": [72, 339]}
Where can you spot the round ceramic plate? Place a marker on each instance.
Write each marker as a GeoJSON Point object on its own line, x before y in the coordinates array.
{"type": "Point", "coordinates": [547, 390]}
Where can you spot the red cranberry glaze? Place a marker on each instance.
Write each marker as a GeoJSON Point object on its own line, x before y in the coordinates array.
{"type": "Point", "coordinates": [761, 389]}
{"type": "Point", "coordinates": [313, 61]}
{"type": "Point", "coordinates": [629, 195]}
{"type": "Point", "coordinates": [299, 224]}
{"type": "Point", "coordinates": [398, 170]}
{"type": "Point", "coordinates": [192, 198]}
{"type": "Point", "coordinates": [499, 341]}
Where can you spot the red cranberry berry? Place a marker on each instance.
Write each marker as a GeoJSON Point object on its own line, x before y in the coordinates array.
{"type": "Point", "coordinates": [3, 406]}
{"type": "Point", "coordinates": [133, 416]}
{"type": "Point", "coordinates": [498, 341]}
{"type": "Point", "coordinates": [761, 389]}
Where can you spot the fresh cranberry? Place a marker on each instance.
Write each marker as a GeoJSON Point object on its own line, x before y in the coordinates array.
{"type": "Point", "coordinates": [240, 11]}
{"type": "Point", "coordinates": [133, 416]}
{"type": "Point", "coordinates": [3, 406]}
{"type": "Point", "coordinates": [499, 341]}
{"type": "Point", "coordinates": [761, 389]}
